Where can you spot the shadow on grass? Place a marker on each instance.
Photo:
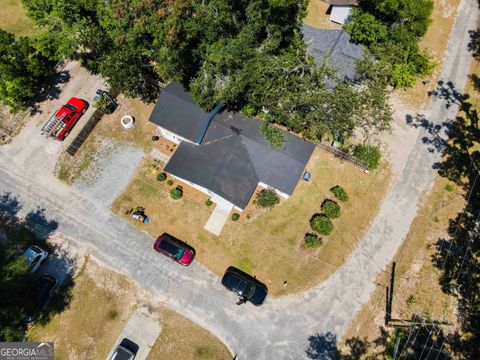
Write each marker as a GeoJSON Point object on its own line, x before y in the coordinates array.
{"type": "Point", "coordinates": [16, 280]}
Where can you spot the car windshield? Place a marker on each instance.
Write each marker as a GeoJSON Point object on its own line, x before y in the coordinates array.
{"type": "Point", "coordinates": [179, 253]}
{"type": "Point", "coordinates": [250, 291]}
{"type": "Point", "coordinates": [70, 107]}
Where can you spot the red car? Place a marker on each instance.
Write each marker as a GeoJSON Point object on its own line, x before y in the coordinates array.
{"type": "Point", "coordinates": [175, 249]}
{"type": "Point", "coordinates": [63, 121]}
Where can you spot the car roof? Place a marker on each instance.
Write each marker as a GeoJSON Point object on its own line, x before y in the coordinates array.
{"type": "Point", "coordinates": [236, 280]}
{"type": "Point", "coordinates": [168, 244]}
{"type": "Point", "coordinates": [122, 353]}
{"type": "Point", "coordinates": [32, 252]}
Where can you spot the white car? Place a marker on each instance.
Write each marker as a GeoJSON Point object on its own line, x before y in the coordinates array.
{"type": "Point", "coordinates": [35, 256]}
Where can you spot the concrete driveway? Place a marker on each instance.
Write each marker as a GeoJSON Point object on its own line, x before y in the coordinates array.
{"type": "Point", "coordinates": [280, 328]}
{"type": "Point", "coordinates": [142, 330]}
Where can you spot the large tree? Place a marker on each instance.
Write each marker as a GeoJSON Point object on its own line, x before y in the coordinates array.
{"type": "Point", "coordinates": [391, 30]}
{"type": "Point", "coordinates": [22, 70]}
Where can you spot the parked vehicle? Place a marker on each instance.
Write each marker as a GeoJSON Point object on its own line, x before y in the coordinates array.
{"type": "Point", "coordinates": [45, 288]}
{"type": "Point", "coordinates": [175, 249]}
{"type": "Point", "coordinates": [35, 256]}
{"type": "Point", "coordinates": [65, 118]}
{"type": "Point", "coordinates": [247, 288]}
{"type": "Point", "coordinates": [125, 351]}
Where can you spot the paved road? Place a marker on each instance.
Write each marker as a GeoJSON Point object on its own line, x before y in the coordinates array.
{"type": "Point", "coordinates": [279, 329]}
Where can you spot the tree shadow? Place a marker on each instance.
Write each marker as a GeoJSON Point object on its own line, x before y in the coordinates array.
{"type": "Point", "coordinates": [50, 90]}
{"type": "Point", "coordinates": [419, 342]}
{"type": "Point", "coordinates": [457, 255]}
{"type": "Point", "coordinates": [16, 280]}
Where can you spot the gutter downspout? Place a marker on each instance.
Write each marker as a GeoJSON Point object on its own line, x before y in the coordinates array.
{"type": "Point", "coordinates": [209, 119]}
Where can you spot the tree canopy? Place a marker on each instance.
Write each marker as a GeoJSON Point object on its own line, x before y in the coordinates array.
{"type": "Point", "coordinates": [22, 70]}
{"type": "Point", "coordinates": [245, 54]}
{"type": "Point", "coordinates": [391, 30]}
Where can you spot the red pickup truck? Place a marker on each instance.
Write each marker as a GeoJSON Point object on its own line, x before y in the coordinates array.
{"type": "Point", "coordinates": [63, 121]}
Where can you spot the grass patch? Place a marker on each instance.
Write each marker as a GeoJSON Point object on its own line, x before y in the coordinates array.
{"type": "Point", "coordinates": [274, 239]}
{"type": "Point", "coordinates": [182, 339]}
{"type": "Point", "coordinates": [14, 19]}
{"type": "Point", "coordinates": [102, 302]}
{"type": "Point", "coordinates": [245, 264]}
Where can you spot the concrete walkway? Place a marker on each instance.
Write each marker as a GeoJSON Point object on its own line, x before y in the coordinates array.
{"type": "Point", "coordinates": [281, 328]}
{"type": "Point", "coordinates": [218, 218]}
{"type": "Point", "coordinates": [143, 330]}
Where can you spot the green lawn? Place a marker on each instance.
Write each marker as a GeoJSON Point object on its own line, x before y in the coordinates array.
{"type": "Point", "coordinates": [13, 19]}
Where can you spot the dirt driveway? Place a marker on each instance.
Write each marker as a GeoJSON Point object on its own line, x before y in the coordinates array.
{"type": "Point", "coordinates": [81, 84]}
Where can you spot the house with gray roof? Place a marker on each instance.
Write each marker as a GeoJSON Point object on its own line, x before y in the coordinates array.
{"type": "Point", "coordinates": [335, 47]}
{"type": "Point", "coordinates": [224, 154]}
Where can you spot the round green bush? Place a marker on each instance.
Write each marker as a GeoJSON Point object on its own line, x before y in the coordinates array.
{"type": "Point", "coordinates": [179, 187]}
{"type": "Point", "coordinates": [162, 176]}
{"type": "Point", "coordinates": [176, 194]}
{"type": "Point", "coordinates": [266, 199]}
{"type": "Point", "coordinates": [368, 155]}
{"type": "Point", "coordinates": [330, 208]}
{"type": "Point", "coordinates": [170, 182]}
{"type": "Point", "coordinates": [339, 193]}
{"type": "Point", "coordinates": [209, 202]}
{"type": "Point", "coordinates": [321, 224]}
{"type": "Point", "coordinates": [312, 240]}
{"type": "Point", "coordinates": [235, 216]}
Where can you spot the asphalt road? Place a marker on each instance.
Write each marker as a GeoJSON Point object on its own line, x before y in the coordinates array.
{"type": "Point", "coordinates": [280, 328]}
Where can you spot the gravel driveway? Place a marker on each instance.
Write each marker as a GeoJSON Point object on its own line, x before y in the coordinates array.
{"type": "Point", "coordinates": [279, 329]}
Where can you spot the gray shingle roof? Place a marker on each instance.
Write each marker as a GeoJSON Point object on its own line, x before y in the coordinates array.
{"type": "Point", "coordinates": [336, 46]}
{"type": "Point", "coordinates": [234, 157]}
{"type": "Point", "coordinates": [176, 111]}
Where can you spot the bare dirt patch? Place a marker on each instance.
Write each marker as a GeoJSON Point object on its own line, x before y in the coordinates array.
{"type": "Point", "coordinates": [318, 17]}
{"type": "Point", "coordinates": [108, 135]}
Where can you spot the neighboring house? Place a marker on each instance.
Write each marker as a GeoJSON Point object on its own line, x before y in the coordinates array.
{"type": "Point", "coordinates": [224, 154]}
{"type": "Point", "coordinates": [334, 46]}
{"type": "Point", "coordinates": [340, 9]}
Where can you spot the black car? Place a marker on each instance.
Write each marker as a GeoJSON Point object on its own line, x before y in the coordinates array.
{"type": "Point", "coordinates": [248, 288]}
{"type": "Point", "coordinates": [125, 351]}
{"type": "Point", "coordinates": [44, 290]}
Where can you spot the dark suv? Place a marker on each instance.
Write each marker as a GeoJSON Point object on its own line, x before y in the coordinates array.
{"type": "Point", "coordinates": [248, 288]}
{"type": "Point", "coordinates": [175, 249]}
{"type": "Point", "coordinates": [44, 290]}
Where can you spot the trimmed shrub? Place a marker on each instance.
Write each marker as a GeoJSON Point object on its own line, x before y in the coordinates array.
{"type": "Point", "coordinates": [368, 155]}
{"type": "Point", "coordinates": [449, 187]}
{"type": "Point", "coordinates": [208, 202]}
{"type": "Point", "coordinates": [235, 216]}
{"type": "Point", "coordinates": [266, 199]}
{"type": "Point", "coordinates": [249, 110]}
{"type": "Point", "coordinates": [170, 182]}
{"type": "Point", "coordinates": [339, 193]}
{"type": "Point", "coordinates": [176, 194]}
{"type": "Point", "coordinates": [330, 208]}
{"type": "Point", "coordinates": [312, 240]}
{"type": "Point", "coordinates": [179, 187]}
{"type": "Point", "coordinates": [161, 177]}
{"type": "Point", "coordinates": [321, 224]}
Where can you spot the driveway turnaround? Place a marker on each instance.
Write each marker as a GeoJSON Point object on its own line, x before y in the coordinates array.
{"type": "Point", "coordinates": [280, 328]}
{"type": "Point", "coordinates": [143, 330]}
